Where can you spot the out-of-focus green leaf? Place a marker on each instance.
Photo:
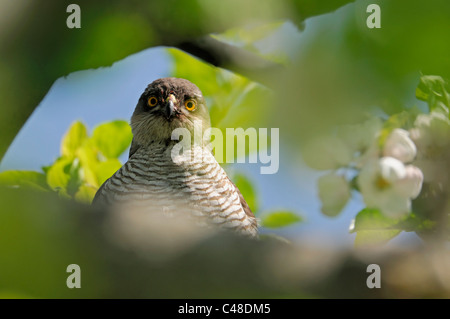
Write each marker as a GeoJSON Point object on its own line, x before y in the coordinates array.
{"type": "Point", "coordinates": [30, 179]}
{"type": "Point", "coordinates": [73, 139]}
{"type": "Point", "coordinates": [372, 227]}
{"type": "Point", "coordinates": [248, 37]}
{"type": "Point", "coordinates": [249, 34]}
{"type": "Point", "coordinates": [85, 193]}
{"type": "Point", "coordinates": [416, 223]}
{"type": "Point", "coordinates": [106, 169]}
{"type": "Point", "coordinates": [375, 237]}
{"type": "Point", "coordinates": [58, 175]}
{"type": "Point", "coordinates": [76, 177]}
{"type": "Point", "coordinates": [434, 89]}
{"type": "Point", "coordinates": [246, 188]}
{"type": "Point", "coordinates": [89, 162]}
{"type": "Point", "coordinates": [112, 138]}
{"type": "Point", "coordinates": [373, 219]}
{"type": "Point", "coordinates": [280, 219]}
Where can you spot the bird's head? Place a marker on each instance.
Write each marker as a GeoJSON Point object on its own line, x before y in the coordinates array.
{"type": "Point", "coordinates": [167, 104]}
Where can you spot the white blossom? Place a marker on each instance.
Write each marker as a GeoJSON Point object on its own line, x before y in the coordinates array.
{"type": "Point", "coordinates": [398, 145]}
{"type": "Point", "coordinates": [411, 185]}
{"type": "Point", "coordinates": [334, 192]}
{"type": "Point", "coordinates": [388, 185]}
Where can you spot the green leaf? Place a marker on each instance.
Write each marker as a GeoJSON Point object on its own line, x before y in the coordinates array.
{"type": "Point", "coordinates": [89, 162]}
{"type": "Point", "coordinates": [373, 219]}
{"type": "Point", "coordinates": [76, 178]}
{"type": "Point", "coordinates": [112, 138]}
{"type": "Point", "coordinates": [106, 169]}
{"type": "Point", "coordinates": [372, 227]}
{"type": "Point", "coordinates": [246, 188]}
{"type": "Point", "coordinates": [434, 89]}
{"type": "Point", "coordinates": [85, 193]}
{"type": "Point", "coordinates": [29, 179]}
{"type": "Point", "coordinates": [375, 237]}
{"type": "Point", "coordinates": [58, 175]}
{"type": "Point", "coordinates": [73, 139]}
{"type": "Point", "coordinates": [280, 219]}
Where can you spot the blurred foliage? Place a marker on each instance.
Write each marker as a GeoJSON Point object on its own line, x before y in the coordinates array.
{"type": "Point", "coordinates": [36, 45]}
{"type": "Point", "coordinates": [345, 72]}
{"type": "Point", "coordinates": [85, 162]}
{"type": "Point", "coordinates": [252, 37]}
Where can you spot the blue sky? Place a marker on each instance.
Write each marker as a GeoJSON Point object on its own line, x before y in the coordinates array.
{"type": "Point", "coordinates": [105, 94]}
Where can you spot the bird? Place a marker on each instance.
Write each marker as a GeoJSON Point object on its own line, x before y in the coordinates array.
{"type": "Point", "coordinates": [155, 179]}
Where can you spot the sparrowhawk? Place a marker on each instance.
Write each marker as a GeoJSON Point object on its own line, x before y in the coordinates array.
{"type": "Point", "coordinates": [155, 179]}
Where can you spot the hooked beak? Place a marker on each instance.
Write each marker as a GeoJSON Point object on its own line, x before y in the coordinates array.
{"type": "Point", "coordinates": [169, 110]}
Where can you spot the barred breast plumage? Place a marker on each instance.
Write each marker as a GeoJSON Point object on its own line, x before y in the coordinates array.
{"type": "Point", "coordinates": [156, 180]}
{"type": "Point", "coordinates": [151, 179]}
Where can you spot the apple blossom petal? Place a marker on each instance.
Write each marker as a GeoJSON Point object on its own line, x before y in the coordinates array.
{"type": "Point", "coordinates": [400, 146]}
{"type": "Point", "coordinates": [411, 185]}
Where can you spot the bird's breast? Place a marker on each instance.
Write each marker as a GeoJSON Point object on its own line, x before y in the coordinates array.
{"type": "Point", "coordinates": [193, 182]}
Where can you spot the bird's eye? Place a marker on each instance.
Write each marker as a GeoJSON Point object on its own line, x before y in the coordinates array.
{"type": "Point", "coordinates": [190, 105]}
{"type": "Point", "coordinates": [152, 101]}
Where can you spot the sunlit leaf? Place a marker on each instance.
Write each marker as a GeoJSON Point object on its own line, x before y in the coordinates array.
{"type": "Point", "coordinates": [58, 175]}
{"type": "Point", "coordinates": [89, 162]}
{"type": "Point", "coordinates": [112, 138]}
{"type": "Point", "coordinates": [73, 139]}
{"type": "Point", "coordinates": [373, 219]}
{"type": "Point", "coordinates": [30, 179]}
{"type": "Point", "coordinates": [280, 219]}
{"type": "Point", "coordinates": [372, 227]}
{"type": "Point", "coordinates": [106, 169]}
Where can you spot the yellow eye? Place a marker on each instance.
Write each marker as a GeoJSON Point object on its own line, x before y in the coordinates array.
{"type": "Point", "coordinates": [190, 105]}
{"type": "Point", "coordinates": [152, 101]}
